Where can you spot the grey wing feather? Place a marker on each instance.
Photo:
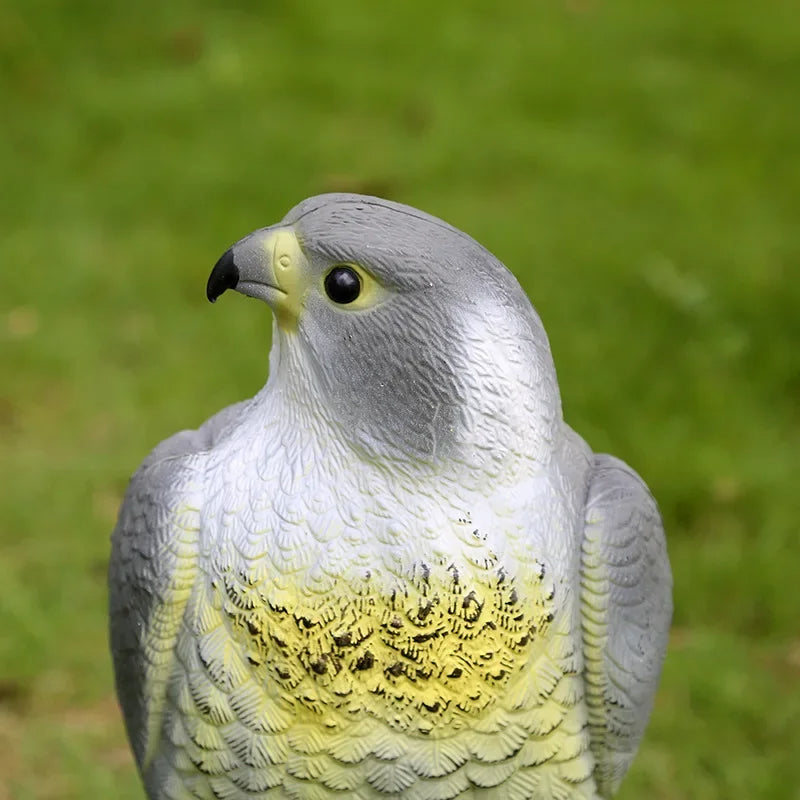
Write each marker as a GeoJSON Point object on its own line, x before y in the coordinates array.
{"type": "Point", "coordinates": [151, 572]}
{"type": "Point", "coordinates": [626, 599]}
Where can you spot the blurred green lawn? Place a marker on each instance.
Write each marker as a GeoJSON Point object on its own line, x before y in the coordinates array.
{"type": "Point", "coordinates": [636, 165]}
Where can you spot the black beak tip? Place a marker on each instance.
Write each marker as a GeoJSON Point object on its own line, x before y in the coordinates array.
{"type": "Point", "coordinates": [225, 275]}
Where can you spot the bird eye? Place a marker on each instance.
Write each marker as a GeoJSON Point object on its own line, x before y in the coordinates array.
{"type": "Point", "coordinates": [342, 285]}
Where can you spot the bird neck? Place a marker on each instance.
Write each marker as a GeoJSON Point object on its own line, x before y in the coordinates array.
{"type": "Point", "coordinates": [510, 412]}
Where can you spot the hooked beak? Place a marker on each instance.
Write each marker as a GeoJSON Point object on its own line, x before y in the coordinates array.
{"type": "Point", "coordinates": [224, 276]}
{"type": "Point", "coordinates": [269, 265]}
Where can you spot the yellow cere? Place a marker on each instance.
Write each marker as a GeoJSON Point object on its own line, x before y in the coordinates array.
{"type": "Point", "coordinates": [288, 267]}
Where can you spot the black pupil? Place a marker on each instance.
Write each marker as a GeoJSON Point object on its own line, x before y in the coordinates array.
{"type": "Point", "coordinates": [342, 285]}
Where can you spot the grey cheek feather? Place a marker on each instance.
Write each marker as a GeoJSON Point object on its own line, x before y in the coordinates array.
{"type": "Point", "coordinates": [444, 367]}
{"type": "Point", "coordinates": [389, 375]}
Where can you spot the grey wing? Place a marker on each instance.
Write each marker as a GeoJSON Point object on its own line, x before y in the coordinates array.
{"type": "Point", "coordinates": [152, 570]}
{"type": "Point", "coordinates": [152, 566]}
{"type": "Point", "coordinates": [626, 609]}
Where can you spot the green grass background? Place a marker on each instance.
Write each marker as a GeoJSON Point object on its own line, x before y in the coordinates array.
{"type": "Point", "coordinates": [637, 166]}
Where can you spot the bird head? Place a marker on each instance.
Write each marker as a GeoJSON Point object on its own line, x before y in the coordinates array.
{"type": "Point", "coordinates": [414, 338]}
